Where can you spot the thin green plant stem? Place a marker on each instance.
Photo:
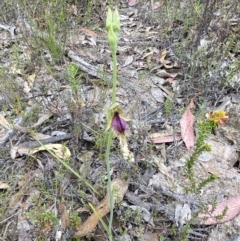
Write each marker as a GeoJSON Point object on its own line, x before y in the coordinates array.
{"type": "Point", "coordinates": [100, 218]}
{"type": "Point", "coordinates": [113, 27]}
{"type": "Point", "coordinates": [114, 88]}
{"type": "Point", "coordinates": [67, 166]}
{"type": "Point", "coordinates": [109, 143]}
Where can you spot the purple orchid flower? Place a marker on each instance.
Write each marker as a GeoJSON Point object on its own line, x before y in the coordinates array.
{"type": "Point", "coordinates": [119, 125]}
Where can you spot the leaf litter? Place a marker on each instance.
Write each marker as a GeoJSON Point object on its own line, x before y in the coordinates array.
{"type": "Point", "coordinates": [143, 56]}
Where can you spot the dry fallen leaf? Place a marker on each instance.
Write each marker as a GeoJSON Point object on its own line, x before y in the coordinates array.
{"type": "Point", "coordinates": [58, 149]}
{"type": "Point", "coordinates": [163, 61]}
{"type": "Point", "coordinates": [170, 80]}
{"type": "Point", "coordinates": [150, 236]}
{"type": "Point", "coordinates": [31, 79]}
{"type": "Point", "coordinates": [65, 220]}
{"type": "Point", "coordinates": [186, 124]}
{"type": "Point", "coordinates": [15, 202]}
{"type": "Point", "coordinates": [4, 185]}
{"type": "Point", "coordinates": [157, 5]}
{"type": "Point", "coordinates": [119, 188]}
{"type": "Point", "coordinates": [232, 207]}
{"type": "Point", "coordinates": [132, 2]}
{"type": "Point", "coordinates": [5, 123]}
{"type": "Point", "coordinates": [164, 74]}
{"type": "Point", "coordinates": [88, 32]}
{"type": "Point", "coordinates": [165, 139]}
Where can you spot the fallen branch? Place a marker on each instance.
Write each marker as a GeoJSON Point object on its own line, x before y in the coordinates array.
{"type": "Point", "coordinates": [94, 71]}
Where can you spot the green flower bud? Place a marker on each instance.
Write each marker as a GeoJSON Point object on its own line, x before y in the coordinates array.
{"type": "Point", "coordinates": [109, 19]}
{"type": "Point", "coordinates": [112, 40]}
{"type": "Point", "coordinates": [113, 28]}
{"type": "Point", "coordinates": [116, 22]}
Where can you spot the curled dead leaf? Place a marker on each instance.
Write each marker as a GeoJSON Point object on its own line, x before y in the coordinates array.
{"type": "Point", "coordinates": [163, 61]}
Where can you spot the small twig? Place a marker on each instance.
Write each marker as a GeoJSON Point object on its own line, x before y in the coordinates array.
{"type": "Point", "coordinates": [10, 29]}
{"type": "Point", "coordinates": [133, 43]}
{"type": "Point", "coordinates": [54, 139]}
{"type": "Point", "coordinates": [6, 219]}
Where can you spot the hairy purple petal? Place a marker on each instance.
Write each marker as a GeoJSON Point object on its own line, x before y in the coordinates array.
{"type": "Point", "coordinates": [118, 124]}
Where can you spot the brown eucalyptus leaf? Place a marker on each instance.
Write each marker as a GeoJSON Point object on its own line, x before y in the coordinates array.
{"type": "Point", "coordinates": [65, 220]}
{"type": "Point", "coordinates": [157, 5]}
{"type": "Point", "coordinates": [186, 124]}
{"type": "Point", "coordinates": [166, 139]}
{"type": "Point", "coordinates": [232, 207]}
{"type": "Point", "coordinates": [132, 2]}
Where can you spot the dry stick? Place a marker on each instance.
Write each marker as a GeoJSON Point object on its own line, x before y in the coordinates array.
{"type": "Point", "coordinates": [54, 139]}
{"type": "Point", "coordinates": [135, 43]}
{"type": "Point", "coordinates": [94, 71]}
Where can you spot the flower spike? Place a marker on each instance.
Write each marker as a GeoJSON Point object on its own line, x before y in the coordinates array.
{"type": "Point", "coordinates": [113, 28]}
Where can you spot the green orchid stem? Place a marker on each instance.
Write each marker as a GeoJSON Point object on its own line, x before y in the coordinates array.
{"type": "Point", "coordinates": [114, 87]}
{"type": "Point", "coordinates": [109, 143]}
{"type": "Point", "coordinates": [113, 27]}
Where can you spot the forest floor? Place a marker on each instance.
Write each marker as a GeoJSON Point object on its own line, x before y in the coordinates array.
{"type": "Point", "coordinates": [178, 61]}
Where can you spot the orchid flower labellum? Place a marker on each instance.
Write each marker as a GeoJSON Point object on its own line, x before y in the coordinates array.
{"type": "Point", "coordinates": [119, 125]}
{"type": "Point", "coordinates": [116, 120]}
